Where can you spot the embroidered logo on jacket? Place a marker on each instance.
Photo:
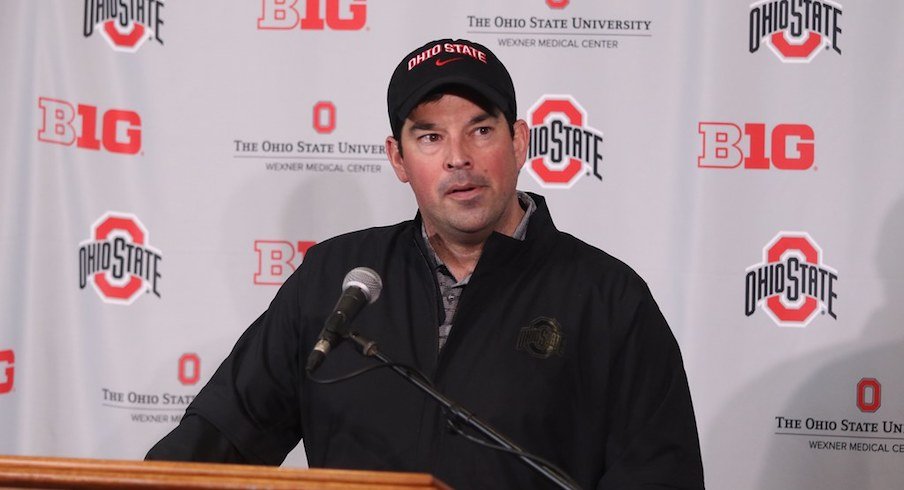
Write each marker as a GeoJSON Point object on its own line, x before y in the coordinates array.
{"type": "Point", "coordinates": [542, 338]}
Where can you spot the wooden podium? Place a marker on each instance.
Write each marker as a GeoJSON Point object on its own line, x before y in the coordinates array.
{"type": "Point", "coordinates": [28, 472]}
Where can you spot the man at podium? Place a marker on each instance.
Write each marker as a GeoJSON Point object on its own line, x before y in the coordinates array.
{"type": "Point", "coordinates": [554, 343]}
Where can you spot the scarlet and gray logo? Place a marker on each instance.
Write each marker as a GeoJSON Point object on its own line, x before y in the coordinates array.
{"type": "Point", "coordinates": [283, 15]}
{"type": "Point", "coordinates": [791, 283]}
{"type": "Point", "coordinates": [795, 30]}
{"type": "Point", "coordinates": [869, 395]}
{"type": "Point", "coordinates": [125, 24]}
{"type": "Point", "coordinates": [65, 124]}
{"type": "Point", "coordinates": [118, 261]}
{"type": "Point", "coordinates": [790, 146]}
{"type": "Point", "coordinates": [278, 259]}
{"type": "Point", "coordinates": [563, 147]}
{"type": "Point", "coordinates": [189, 369]}
{"type": "Point", "coordinates": [7, 370]}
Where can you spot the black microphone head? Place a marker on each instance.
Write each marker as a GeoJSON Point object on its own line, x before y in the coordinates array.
{"type": "Point", "coordinates": [365, 279]}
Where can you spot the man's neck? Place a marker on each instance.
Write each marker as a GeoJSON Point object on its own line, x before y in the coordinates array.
{"type": "Point", "coordinates": [461, 253]}
{"type": "Point", "coordinates": [459, 258]}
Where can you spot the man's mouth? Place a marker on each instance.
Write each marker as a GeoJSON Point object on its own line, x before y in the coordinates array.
{"type": "Point", "coordinates": [463, 191]}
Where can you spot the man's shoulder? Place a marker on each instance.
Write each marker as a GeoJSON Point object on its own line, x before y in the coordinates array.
{"type": "Point", "coordinates": [369, 241]}
{"type": "Point", "coordinates": [591, 262]}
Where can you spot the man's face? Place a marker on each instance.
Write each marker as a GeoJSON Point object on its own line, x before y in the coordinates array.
{"type": "Point", "coordinates": [462, 164]}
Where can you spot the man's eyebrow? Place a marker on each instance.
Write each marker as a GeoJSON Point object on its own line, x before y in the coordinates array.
{"type": "Point", "coordinates": [421, 126]}
{"type": "Point", "coordinates": [429, 126]}
{"type": "Point", "coordinates": [482, 117]}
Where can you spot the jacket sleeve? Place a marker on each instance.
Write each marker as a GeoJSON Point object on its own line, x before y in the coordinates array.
{"type": "Point", "coordinates": [196, 439]}
{"type": "Point", "coordinates": [652, 439]}
{"type": "Point", "coordinates": [249, 410]}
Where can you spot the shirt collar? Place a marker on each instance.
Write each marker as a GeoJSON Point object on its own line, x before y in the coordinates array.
{"type": "Point", "coordinates": [527, 204]}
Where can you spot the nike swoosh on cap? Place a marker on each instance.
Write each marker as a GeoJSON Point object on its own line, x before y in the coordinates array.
{"type": "Point", "coordinates": [450, 60]}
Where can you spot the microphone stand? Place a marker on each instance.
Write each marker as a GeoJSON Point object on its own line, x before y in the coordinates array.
{"type": "Point", "coordinates": [369, 348]}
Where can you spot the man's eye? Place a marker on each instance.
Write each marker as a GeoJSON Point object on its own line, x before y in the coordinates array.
{"type": "Point", "coordinates": [429, 138]}
{"type": "Point", "coordinates": [484, 130]}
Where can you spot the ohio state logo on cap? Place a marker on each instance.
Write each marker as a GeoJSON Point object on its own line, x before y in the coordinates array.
{"type": "Point", "coordinates": [795, 30]}
{"type": "Point", "coordinates": [563, 147]}
{"type": "Point", "coordinates": [125, 25]}
{"type": "Point", "coordinates": [118, 261]}
{"type": "Point", "coordinates": [791, 283]}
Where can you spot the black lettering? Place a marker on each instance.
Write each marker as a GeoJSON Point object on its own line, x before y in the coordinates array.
{"type": "Point", "coordinates": [118, 268]}
{"type": "Point", "coordinates": [796, 21]}
{"type": "Point", "coordinates": [835, 30]}
{"type": "Point", "coordinates": [750, 298]}
{"type": "Point", "coordinates": [793, 283]}
{"type": "Point", "coordinates": [830, 303]}
{"type": "Point", "coordinates": [754, 30]}
{"type": "Point", "coordinates": [555, 153]}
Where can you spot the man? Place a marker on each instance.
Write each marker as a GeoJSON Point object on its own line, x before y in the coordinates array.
{"type": "Point", "coordinates": [556, 344]}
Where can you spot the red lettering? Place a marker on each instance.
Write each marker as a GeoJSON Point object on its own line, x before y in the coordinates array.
{"type": "Point", "coordinates": [324, 117]}
{"type": "Point", "coordinates": [869, 395]}
{"type": "Point", "coordinates": [189, 369]}
{"type": "Point", "coordinates": [59, 126]}
{"type": "Point", "coordinates": [756, 158]}
{"type": "Point", "coordinates": [804, 147]}
{"type": "Point", "coordinates": [277, 260]}
{"type": "Point", "coordinates": [7, 357]}
{"type": "Point", "coordinates": [282, 14]}
{"type": "Point", "coordinates": [722, 146]}
{"type": "Point", "coordinates": [57, 117]}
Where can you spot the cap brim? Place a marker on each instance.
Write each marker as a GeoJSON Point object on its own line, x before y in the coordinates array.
{"type": "Point", "coordinates": [416, 96]}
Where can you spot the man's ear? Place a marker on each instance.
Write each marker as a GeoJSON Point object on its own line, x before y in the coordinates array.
{"type": "Point", "coordinates": [393, 151]}
{"type": "Point", "coordinates": [520, 141]}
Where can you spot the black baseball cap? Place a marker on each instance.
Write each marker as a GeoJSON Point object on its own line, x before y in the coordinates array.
{"type": "Point", "coordinates": [448, 62]}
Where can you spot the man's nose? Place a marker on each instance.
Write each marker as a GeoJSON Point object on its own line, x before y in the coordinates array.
{"type": "Point", "coordinates": [457, 156]}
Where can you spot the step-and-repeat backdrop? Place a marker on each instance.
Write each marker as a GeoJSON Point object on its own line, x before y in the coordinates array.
{"type": "Point", "coordinates": [166, 164]}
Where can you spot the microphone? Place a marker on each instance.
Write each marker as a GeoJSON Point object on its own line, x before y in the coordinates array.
{"type": "Point", "coordinates": [360, 287]}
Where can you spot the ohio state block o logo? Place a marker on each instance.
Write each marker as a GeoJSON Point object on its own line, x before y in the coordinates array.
{"type": "Point", "coordinates": [774, 253]}
{"type": "Point", "coordinates": [792, 284]}
{"type": "Point", "coordinates": [869, 395]}
{"type": "Point", "coordinates": [106, 284]}
{"type": "Point", "coordinates": [562, 147]}
{"type": "Point", "coordinates": [117, 259]}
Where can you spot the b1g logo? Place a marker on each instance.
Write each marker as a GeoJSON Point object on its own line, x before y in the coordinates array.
{"type": "Point", "coordinates": [795, 30]}
{"type": "Point", "coordinates": [120, 128]}
{"type": "Point", "coordinates": [7, 370]}
{"type": "Point", "coordinates": [278, 259]}
{"type": "Point", "coordinates": [791, 283]}
{"type": "Point", "coordinates": [125, 24]}
{"type": "Point", "coordinates": [563, 147]}
{"type": "Point", "coordinates": [118, 261]}
{"type": "Point", "coordinates": [283, 15]}
{"type": "Point", "coordinates": [791, 146]}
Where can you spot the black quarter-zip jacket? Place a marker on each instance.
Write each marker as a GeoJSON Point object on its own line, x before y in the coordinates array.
{"type": "Point", "coordinates": [602, 393]}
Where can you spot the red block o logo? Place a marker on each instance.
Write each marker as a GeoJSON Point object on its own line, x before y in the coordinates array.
{"type": "Point", "coordinates": [130, 226]}
{"type": "Point", "coordinates": [189, 369]}
{"type": "Point", "coordinates": [538, 115]}
{"type": "Point", "coordinates": [869, 395]}
{"type": "Point", "coordinates": [811, 255]}
{"type": "Point", "coordinates": [324, 117]}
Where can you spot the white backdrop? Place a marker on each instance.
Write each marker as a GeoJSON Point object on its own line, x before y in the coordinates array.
{"type": "Point", "coordinates": [234, 134]}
